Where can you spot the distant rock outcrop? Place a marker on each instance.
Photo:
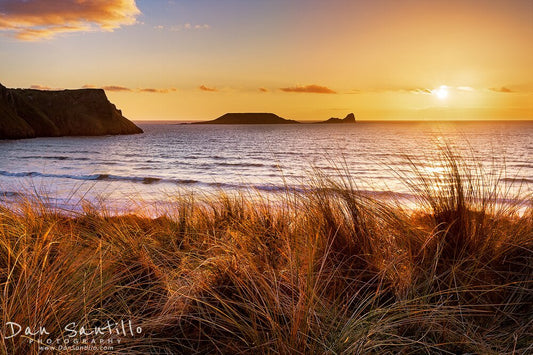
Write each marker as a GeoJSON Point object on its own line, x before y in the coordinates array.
{"type": "Point", "coordinates": [350, 118]}
{"type": "Point", "coordinates": [28, 113]}
{"type": "Point", "coordinates": [249, 118]}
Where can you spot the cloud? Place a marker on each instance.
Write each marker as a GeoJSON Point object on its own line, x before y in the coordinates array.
{"type": "Point", "coordinates": [417, 90]}
{"type": "Point", "coordinates": [465, 88]}
{"type": "Point", "coordinates": [116, 88]}
{"type": "Point", "coordinates": [402, 89]}
{"type": "Point", "coordinates": [158, 91]}
{"type": "Point", "coordinates": [205, 26]}
{"type": "Point", "coordinates": [263, 90]}
{"type": "Point", "coordinates": [33, 20]}
{"type": "Point", "coordinates": [502, 89]}
{"type": "Point", "coordinates": [426, 91]}
{"type": "Point", "coordinates": [354, 91]}
{"type": "Point", "coordinates": [41, 87]}
{"type": "Point", "coordinates": [312, 89]}
{"type": "Point", "coordinates": [394, 89]}
{"type": "Point", "coordinates": [208, 89]}
{"type": "Point", "coordinates": [183, 27]}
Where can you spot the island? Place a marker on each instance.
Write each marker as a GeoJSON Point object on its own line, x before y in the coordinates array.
{"type": "Point", "coordinates": [29, 113]}
{"type": "Point", "coordinates": [249, 118]}
{"type": "Point", "coordinates": [350, 118]}
{"type": "Point", "coordinates": [266, 118]}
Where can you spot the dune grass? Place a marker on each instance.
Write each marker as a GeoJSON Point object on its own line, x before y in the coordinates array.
{"type": "Point", "coordinates": [323, 271]}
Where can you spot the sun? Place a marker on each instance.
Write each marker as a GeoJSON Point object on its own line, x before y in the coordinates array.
{"type": "Point", "coordinates": [441, 93]}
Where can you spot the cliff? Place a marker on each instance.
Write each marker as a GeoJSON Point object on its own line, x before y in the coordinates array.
{"type": "Point", "coordinates": [350, 118]}
{"type": "Point", "coordinates": [249, 118]}
{"type": "Point", "coordinates": [28, 113]}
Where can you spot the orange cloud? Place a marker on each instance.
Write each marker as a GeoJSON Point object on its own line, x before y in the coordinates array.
{"type": "Point", "coordinates": [263, 90]}
{"type": "Point", "coordinates": [205, 88]}
{"type": "Point", "coordinates": [116, 88]}
{"type": "Point", "coordinates": [379, 90]}
{"type": "Point", "coordinates": [313, 89]}
{"type": "Point", "coordinates": [158, 91]}
{"type": "Point", "coordinates": [354, 91]}
{"type": "Point", "coordinates": [126, 89]}
{"type": "Point", "coordinates": [33, 20]}
{"type": "Point", "coordinates": [417, 90]}
{"type": "Point", "coordinates": [41, 87]}
{"type": "Point", "coordinates": [502, 89]}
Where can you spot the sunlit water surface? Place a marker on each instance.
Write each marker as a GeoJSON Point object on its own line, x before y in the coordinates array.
{"type": "Point", "coordinates": [169, 159]}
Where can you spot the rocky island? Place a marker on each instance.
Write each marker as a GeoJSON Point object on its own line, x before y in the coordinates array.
{"type": "Point", "coordinates": [28, 113]}
{"type": "Point", "coordinates": [350, 118]}
{"type": "Point", "coordinates": [249, 118]}
{"type": "Point", "coordinates": [266, 118]}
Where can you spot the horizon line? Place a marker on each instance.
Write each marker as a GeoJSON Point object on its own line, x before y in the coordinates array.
{"type": "Point", "coordinates": [357, 120]}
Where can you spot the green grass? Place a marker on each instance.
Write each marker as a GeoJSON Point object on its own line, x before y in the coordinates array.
{"type": "Point", "coordinates": [324, 271]}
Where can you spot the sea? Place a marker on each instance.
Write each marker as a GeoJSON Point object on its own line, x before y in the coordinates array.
{"type": "Point", "coordinates": [380, 159]}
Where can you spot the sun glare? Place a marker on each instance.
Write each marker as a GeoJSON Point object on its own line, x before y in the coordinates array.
{"type": "Point", "coordinates": [441, 93]}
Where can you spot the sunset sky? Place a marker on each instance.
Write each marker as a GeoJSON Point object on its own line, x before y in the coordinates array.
{"type": "Point", "coordinates": [301, 59]}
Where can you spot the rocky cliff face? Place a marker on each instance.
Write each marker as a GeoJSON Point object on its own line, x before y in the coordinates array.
{"type": "Point", "coordinates": [27, 113]}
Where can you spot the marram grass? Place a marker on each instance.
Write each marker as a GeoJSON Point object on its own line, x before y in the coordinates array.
{"type": "Point", "coordinates": [324, 271]}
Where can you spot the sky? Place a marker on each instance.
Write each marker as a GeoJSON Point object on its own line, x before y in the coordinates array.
{"type": "Point", "coordinates": [301, 59]}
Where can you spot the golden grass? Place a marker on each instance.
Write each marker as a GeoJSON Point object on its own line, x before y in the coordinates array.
{"type": "Point", "coordinates": [327, 270]}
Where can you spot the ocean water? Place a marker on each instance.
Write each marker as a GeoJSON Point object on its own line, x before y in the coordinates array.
{"type": "Point", "coordinates": [169, 159]}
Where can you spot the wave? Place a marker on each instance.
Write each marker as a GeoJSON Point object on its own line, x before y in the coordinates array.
{"type": "Point", "coordinates": [245, 165]}
{"type": "Point", "coordinates": [54, 157]}
{"type": "Point", "coordinates": [261, 187]}
{"type": "Point", "coordinates": [99, 177]}
{"type": "Point", "coordinates": [384, 195]}
{"type": "Point", "coordinates": [11, 194]}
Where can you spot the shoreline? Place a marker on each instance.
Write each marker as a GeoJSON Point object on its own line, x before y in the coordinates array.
{"type": "Point", "coordinates": [162, 202]}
